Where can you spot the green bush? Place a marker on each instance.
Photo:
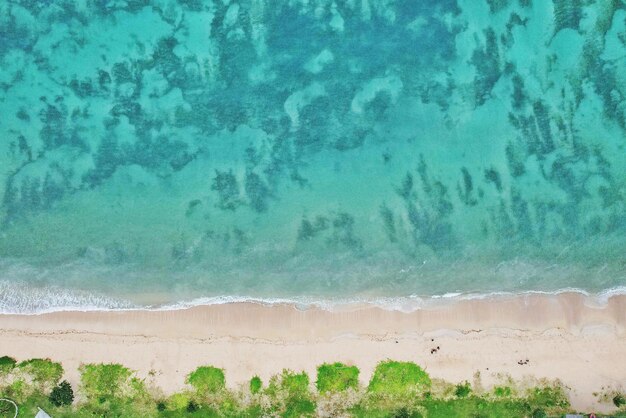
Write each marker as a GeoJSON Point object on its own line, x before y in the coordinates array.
{"type": "Point", "coordinates": [462, 390]}
{"type": "Point", "coordinates": [548, 396]}
{"type": "Point", "coordinates": [293, 383]}
{"type": "Point", "coordinates": [207, 379]}
{"type": "Point", "coordinates": [399, 378]}
{"type": "Point", "coordinates": [502, 391]}
{"type": "Point", "coordinates": [192, 406]}
{"type": "Point", "coordinates": [18, 390]}
{"type": "Point", "coordinates": [44, 372]}
{"type": "Point", "coordinates": [62, 394]}
{"type": "Point", "coordinates": [178, 401]}
{"type": "Point", "coordinates": [6, 409]}
{"type": "Point", "coordinates": [6, 365]}
{"type": "Point", "coordinates": [402, 413]}
{"type": "Point", "coordinates": [105, 382]}
{"type": "Point", "coordinates": [619, 400]}
{"type": "Point", "coordinates": [255, 385]}
{"type": "Point", "coordinates": [336, 377]}
{"type": "Point", "coordinates": [294, 387]}
{"type": "Point", "coordinates": [539, 413]}
{"type": "Point", "coordinates": [475, 407]}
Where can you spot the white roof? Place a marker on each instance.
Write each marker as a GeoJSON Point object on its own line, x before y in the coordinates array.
{"type": "Point", "coordinates": [42, 414]}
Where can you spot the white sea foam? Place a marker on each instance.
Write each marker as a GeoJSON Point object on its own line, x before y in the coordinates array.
{"type": "Point", "coordinates": [22, 299]}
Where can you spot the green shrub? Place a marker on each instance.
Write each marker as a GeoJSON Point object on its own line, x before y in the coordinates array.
{"type": "Point", "coordinates": [228, 405]}
{"type": "Point", "coordinates": [336, 377]}
{"type": "Point", "coordinates": [18, 390]}
{"type": "Point", "coordinates": [401, 413]}
{"type": "Point", "coordinates": [619, 400]}
{"type": "Point", "coordinates": [299, 407]}
{"type": "Point", "coordinates": [255, 385]}
{"type": "Point", "coordinates": [192, 406]}
{"type": "Point", "coordinates": [502, 391]}
{"type": "Point", "coordinates": [207, 379]}
{"type": "Point", "coordinates": [539, 413]}
{"type": "Point", "coordinates": [44, 372]}
{"type": "Point", "coordinates": [6, 409]}
{"type": "Point", "coordinates": [178, 401]}
{"type": "Point", "coordinates": [398, 378]}
{"type": "Point", "coordinates": [475, 407]}
{"type": "Point", "coordinates": [462, 390]}
{"type": "Point", "coordinates": [290, 395]}
{"type": "Point", "coordinates": [6, 365]}
{"type": "Point", "coordinates": [62, 394]}
{"type": "Point", "coordinates": [105, 382]}
{"type": "Point", "coordinates": [161, 407]}
{"type": "Point", "coordinates": [293, 383]}
{"type": "Point", "coordinates": [548, 396]}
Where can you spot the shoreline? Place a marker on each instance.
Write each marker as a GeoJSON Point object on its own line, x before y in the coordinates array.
{"type": "Point", "coordinates": [405, 304]}
{"type": "Point", "coordinates": [564, 336]}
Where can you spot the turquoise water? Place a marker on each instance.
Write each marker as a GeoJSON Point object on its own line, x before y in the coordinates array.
{"type": "Point", "coordinates": [153, 152]}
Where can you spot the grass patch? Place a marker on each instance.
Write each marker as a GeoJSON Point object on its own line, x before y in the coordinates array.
{"type": "Point", "coordinates": [108, 382]}
{"type": "Point", "coordinates": [502, 391]}
{"type": "Point", "coordinates": [395, 377]}
{"type": "Point", "coordinates": [548, 396]}
{"type": "Point", "coordinates": [178, 401]}
{"type": "Point", "coordinates": [462, 390]}
{"type": "Point", "coordinates": [289, 395]}
{"type": "Point", "coordinates": [207, 379]}
{"type": "Point", "coordinates": [336, 377]}
{"type": "Point", "coordinates": [6, 365]}
{"type": "Point", "coordinates": [44, 372]}
{"type": "Point", "coordinates": [475, 407]}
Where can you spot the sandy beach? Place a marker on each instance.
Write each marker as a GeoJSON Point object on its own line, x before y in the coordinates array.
{"type": "Point", "coordinates": [564, 336]}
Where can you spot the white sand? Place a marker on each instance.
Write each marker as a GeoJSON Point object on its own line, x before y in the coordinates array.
{"type": "Point", "coordinates": [563, 336]}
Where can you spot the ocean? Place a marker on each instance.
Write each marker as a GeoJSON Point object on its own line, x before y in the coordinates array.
{"type": "Point", "coordinates": [166, 153]}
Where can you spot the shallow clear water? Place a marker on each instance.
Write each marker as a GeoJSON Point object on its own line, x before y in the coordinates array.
{"type": "Point", "coordinates": [159, 151]}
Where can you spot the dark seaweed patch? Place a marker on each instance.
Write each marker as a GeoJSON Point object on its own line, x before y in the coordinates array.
{"type": "Point", "coordinates": [226, 185]}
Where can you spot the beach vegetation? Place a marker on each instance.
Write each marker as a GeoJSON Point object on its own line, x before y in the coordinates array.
{"type": "Point", "coordinates": [178, 401]}
{"type": "Point", "coordinates": [18, 390]}
{"type": "Point", "coordinates": [255, 385]}
{"type": "Point", "coordinates": [550, 396]}
{"type": "Point", "coordinates": [336, 377]}
{"type": "Point", "coordinates": [44, 373]}
{"type": "Point", "coordinates": [6, 365]}
{"type": "Point", "coordinates": [113, 388]}
{"type": "Point", "coordinates": [462, 390]}
{"type": "Point", "coordinates": [612, 395]}
{"type": "Point", "coordinates": [207, 379]}
{"type": "Point", "coordinates": [396, 390]}
{"type": "Point", "coordinates": [539, 413]}
{"type": "Point", "coordinates": [474, 406]}
{"type": "Point", "coordinates": [440, 389]}
{"type": "Point", "coordinates": [289, 395]}
{"type": "Point", "coordinates": [396, 386]}
{"type": "Point", "coordinates": [502, 391]}
{"type": "Point", "coordinates": [395, 377]}
{"type": "Point", "coordinates": [62, 394]}
{"type": "Point", "coordinates": [192, 406]}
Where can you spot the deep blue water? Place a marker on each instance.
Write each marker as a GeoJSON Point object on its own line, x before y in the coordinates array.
{"type": "Point", "coordinates": [159, 151]}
